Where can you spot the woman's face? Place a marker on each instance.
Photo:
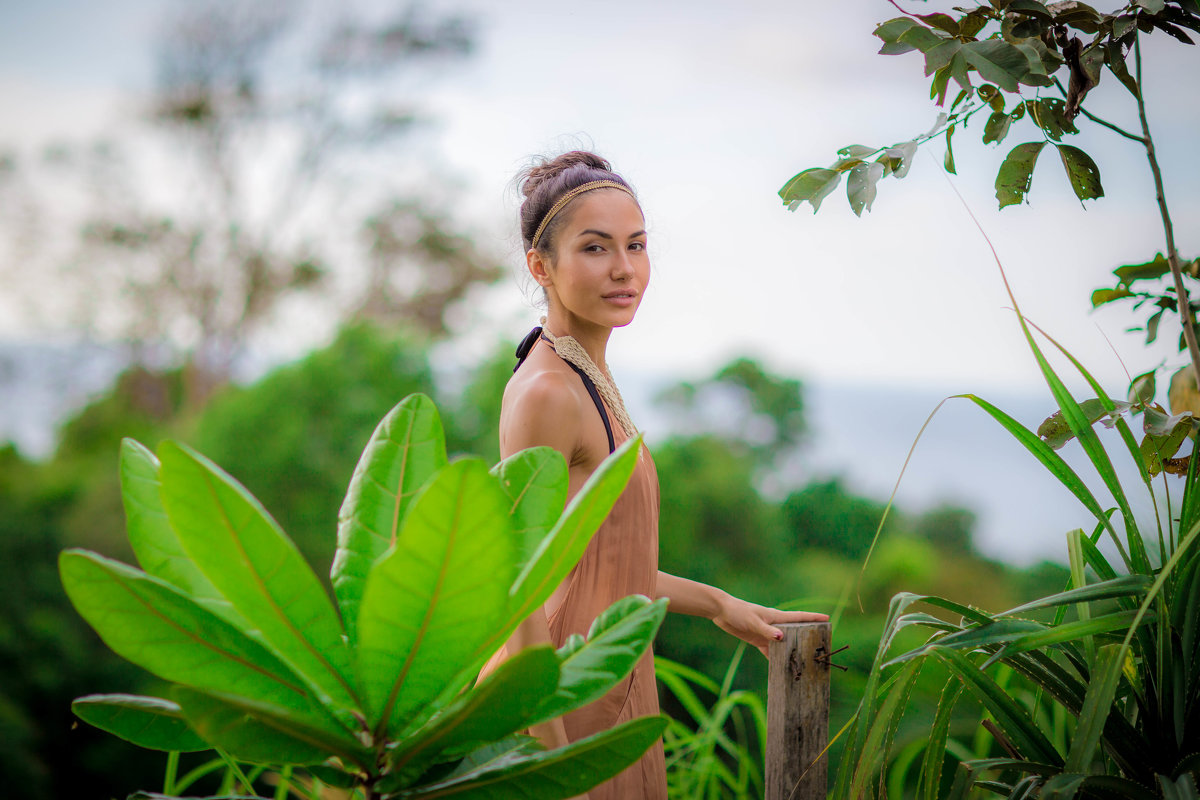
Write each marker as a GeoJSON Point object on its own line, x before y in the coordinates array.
{"type": "Point", "coordinates": [600, 268]}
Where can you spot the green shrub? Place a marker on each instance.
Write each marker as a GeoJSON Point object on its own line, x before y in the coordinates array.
{"type": "Point", "coordinates": [437, 563]}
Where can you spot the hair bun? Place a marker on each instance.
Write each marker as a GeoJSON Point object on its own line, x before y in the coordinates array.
{"type": "Point", "coordinates": [549, 169]}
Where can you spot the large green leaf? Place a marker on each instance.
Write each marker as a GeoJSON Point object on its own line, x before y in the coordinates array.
{"type": "Point", "coordinates": [998, 62]}
{"type": "Point", "coordinates": [150, 722]}
{"type": "Point", "coordinates": [536, 482]}
{"type": "Point", "coordinates": [406, 449]}
{"type": "Point", "coordinates": [258, 568]}
{"type": "Point", "coordinates": [565, 772]}
{"type": "Point", "coordinates": [430, 603]}
{"type": "Point", "coordinates": [860, 186]}
{"type": "Point", "coordinates": [157, 627]}
{"type": "Point", "coordinates": [812, 185]}
{"type": "Point", "coordinates": [1081, 171]}
{"type": "Point", "coordinates": [502, 704]}
{"type": "Point", "coordinates": [616, 640]}
{"type": "Point", "coordinates": [562, 548]}
{"type": "Point", "coordinates": [155, 543]}
{"type": "Point", "coordinates": [1016, 173]}
{"type": "Point", "coordinates": [262, 734]}
{"type": "Point", "coordinates": [1150, 270]}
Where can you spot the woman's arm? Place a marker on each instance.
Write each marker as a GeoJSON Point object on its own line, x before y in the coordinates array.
{"type": "Point", "coordinates": [750, 622]}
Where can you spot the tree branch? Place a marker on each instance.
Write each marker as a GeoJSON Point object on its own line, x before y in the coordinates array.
{"type": "Point", "coordinates": [1185, 308]}
{"type": "Point", "coordinates": [1098, 121]}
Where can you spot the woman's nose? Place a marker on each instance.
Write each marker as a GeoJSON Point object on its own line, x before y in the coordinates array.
{"type": "Point", "coordinates": [623, 268]}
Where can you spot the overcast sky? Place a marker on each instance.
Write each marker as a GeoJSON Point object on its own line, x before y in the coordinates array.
{"type": "Point", "coordinates": [708, 108]}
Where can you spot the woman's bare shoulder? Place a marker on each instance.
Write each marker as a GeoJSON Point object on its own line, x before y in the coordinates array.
{"type": "Point", "coordinates": [541, 406]}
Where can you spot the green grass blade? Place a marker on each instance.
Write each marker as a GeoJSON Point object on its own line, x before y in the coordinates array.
{"type": "Point", "coordinates": [1106, 673]}
{"type": "Point", "coordinates": [432, 601]}
{"type": "Point", "coordinates": [1135, 559]}
{"type": "Point", "coordinates": [1107, 402]}
{"type": "Point", "coordinates": [929, 779]}
{"type": "Point", "coordinates": [149, 722]}
{"type": "Point", "coordinates": [1189, 509]}
{"type": "Point", "coordinates": [1125, 586]}
{"type": "Point", "coordinates": [873, 756]}
{"type": "Point", "coordinates": [253, 563]}
{"type": "Point", "coordinates": [1079, 581]}
{"type": "Point", "coordinates": [405, 450]}
{"type": "Point", "coordinates": [1053, 462]}
{"type": "Point", "coordinates": [1015, 721]}
{"type": "Point", "coordinates": [1069, 632]}
{"type": "Point", "coordinates": [1063, 786]}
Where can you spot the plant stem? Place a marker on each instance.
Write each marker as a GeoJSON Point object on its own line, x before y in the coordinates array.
{"type": "Point", "coordinates": [236, 772]}
{"type": "Point", "coordinates": [1185, 308]}
{"type": "Point", "coordinates": [1104, 122]}
{"type": "Point", "coordinates": [285, 783]}
{"type": "Point", "coordinates": [172, 771]}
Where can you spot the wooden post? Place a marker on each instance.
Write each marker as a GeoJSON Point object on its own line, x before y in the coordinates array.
{"type": "Point", "coordinates": [798, 712]}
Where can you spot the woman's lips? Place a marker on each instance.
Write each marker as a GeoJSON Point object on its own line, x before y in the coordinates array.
{"type": "Point", "coordinates": [623, 298]}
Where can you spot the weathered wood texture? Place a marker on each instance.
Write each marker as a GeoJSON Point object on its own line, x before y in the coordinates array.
{"type": "Point", "coordinates": [798, 712]}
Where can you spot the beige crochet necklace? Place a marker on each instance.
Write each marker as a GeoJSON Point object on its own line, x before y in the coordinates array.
{"type": "Point", "coordinates": [569, 349]}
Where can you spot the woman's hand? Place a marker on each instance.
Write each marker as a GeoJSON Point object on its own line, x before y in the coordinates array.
{"type": "Point", "coordinates": [754, 624]}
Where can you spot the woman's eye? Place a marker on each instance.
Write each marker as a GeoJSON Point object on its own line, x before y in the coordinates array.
{"type": "Point", "coordinates": [593, 248]}
{"type": "Point", "coordinates": [637, 247]}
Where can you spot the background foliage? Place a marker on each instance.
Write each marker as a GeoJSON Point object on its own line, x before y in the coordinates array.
{"type": "Point", "coordinates": [292, 437]}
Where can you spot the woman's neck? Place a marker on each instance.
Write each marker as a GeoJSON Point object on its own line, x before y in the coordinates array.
{"type": "Point", "coordinates": [593, 338]}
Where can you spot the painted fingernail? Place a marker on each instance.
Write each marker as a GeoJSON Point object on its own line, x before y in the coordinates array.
{"type": "Point", "coordinates": [778, 634]}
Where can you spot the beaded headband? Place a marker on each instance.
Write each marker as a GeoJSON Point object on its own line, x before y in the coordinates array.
{"type": "Point", "coordinates": [571, 195]}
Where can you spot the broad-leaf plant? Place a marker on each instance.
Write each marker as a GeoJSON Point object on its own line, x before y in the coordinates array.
{"type": "Point", "coordinates": [373, 690]}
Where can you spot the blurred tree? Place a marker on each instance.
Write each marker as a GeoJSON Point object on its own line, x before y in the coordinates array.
{"type": "Point", "coordinates": [825, 515]}
{"type": "Point", "coordinates": [267, 169]}
{"type": "Point", "coordinates": [753, 411]}
{"type": "Point", "coordinates": [48, 655]}
{"type": "Point", "coordinates": [947, 527]}
{"type": "Point", "coordinates": [472, 426]}
{"type": "Point", "coordinates": [294, 437]}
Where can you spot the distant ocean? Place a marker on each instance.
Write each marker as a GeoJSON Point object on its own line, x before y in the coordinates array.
{"type": "Point", "coordinates": [859, 432]}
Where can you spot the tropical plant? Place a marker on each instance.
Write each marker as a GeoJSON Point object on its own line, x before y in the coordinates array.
{"type": "Point", "coordinates": [722, 755]}
{"type": "Point", "coordinates": [1105, 703]}
{"type": "Point", "coordinates": [437, 563]}
{"type": "Point", "coordinates": [1017, 50]}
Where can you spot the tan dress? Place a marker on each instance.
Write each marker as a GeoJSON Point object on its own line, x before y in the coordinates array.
{"type": "Point", "coordinates": [621, 559]}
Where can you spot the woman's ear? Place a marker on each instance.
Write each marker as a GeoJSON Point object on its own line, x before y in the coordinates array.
{"type": "Point", "coordinates": [539, 268]}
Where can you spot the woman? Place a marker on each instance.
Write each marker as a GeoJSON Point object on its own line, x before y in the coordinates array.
{"type": "Point", "coordinates": [585, 245]}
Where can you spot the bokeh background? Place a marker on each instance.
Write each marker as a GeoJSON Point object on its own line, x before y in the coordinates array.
{"type": "Point", "coordinates": [257, 226]}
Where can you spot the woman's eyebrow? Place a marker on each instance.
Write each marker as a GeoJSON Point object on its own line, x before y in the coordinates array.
{"type": "Point", "coordinates": [603, 235]}
{"type": "Point", "coordinates": [594, 232]}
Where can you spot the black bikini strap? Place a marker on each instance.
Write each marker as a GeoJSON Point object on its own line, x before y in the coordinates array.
{"type": "Point", "coordinates": [522, 353]}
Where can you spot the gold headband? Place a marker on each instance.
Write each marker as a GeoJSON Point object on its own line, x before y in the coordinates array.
{"type": "Point", "coordinates": [571, 195]}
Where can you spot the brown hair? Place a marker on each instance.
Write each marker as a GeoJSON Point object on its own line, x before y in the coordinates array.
{"type": "Point", "coordinates": [548, 180]}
